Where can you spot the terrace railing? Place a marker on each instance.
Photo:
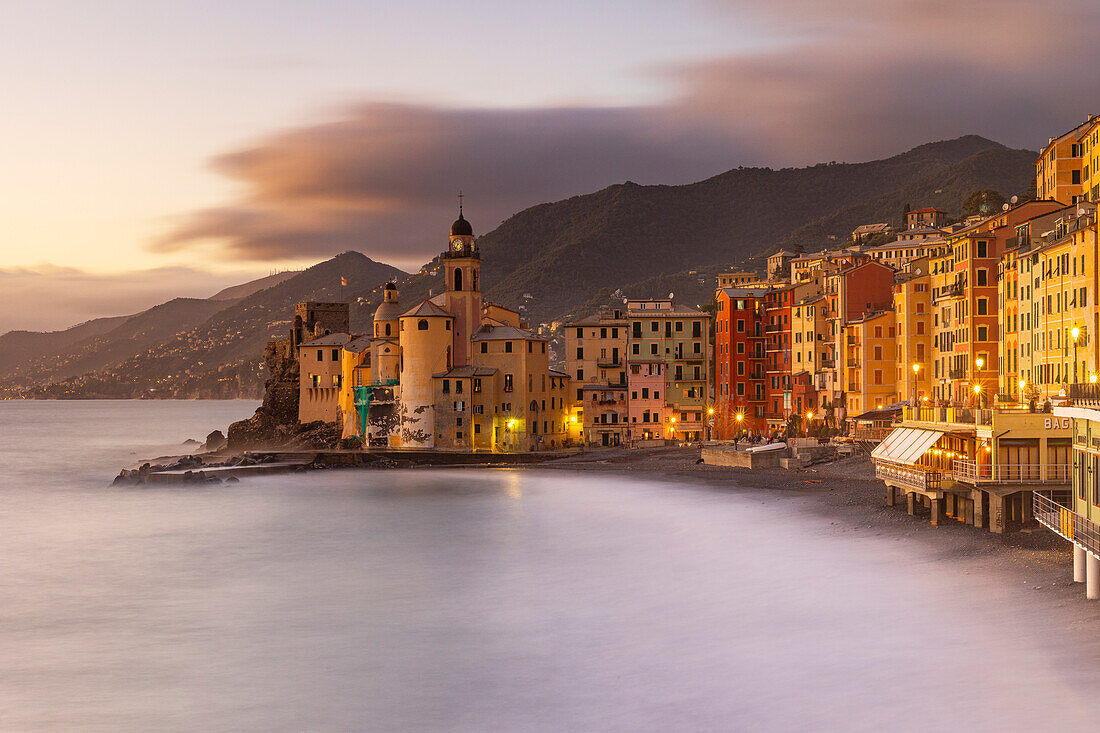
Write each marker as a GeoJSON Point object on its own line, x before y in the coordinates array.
{"type": "Point", "coordinates": [970, 472]}
{"type": "Point", "coordinates": [913, 477]}
{"type": "Point", "coordinates": [1051, 511]}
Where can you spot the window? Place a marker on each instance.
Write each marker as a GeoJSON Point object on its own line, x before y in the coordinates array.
{"type": "Point", "coordinates": [580, 352]}
{"type": "Point", "coordinates": [982, 277]}
{"type": "Point", "coordinates": [508, 381]}
{"type": "Point", "coordinates": [320, 354]}
{"type": "Point", "coordinates": [477, 428]}
{"type": "Point", "coordinates": [484, 347]}
{"type": "Point", "coordinates": [507, 347]}
{"type": "Point", "coordinates": [580, 375]}
{"type": "Point", "coordinates": [679, 326]}
{"type": "Point", "coordinates": [696, 329]}
{"type": "Point", "coordinates": [740, 325]}
{"type": "Point", "coordinates": [458, 386]}
{"type": "Point", "coordinates": [635, 349]}
{"type": "Point", "coordinates": [477, 384]}
{"type": "Point", "coordinates": [983, 333]}
{"type": "Point", "coordinates": [981, 248]}
{"type": "Point", "coordinates": [653, 348]}
{"type": "Point", "coordinates": [422, 325]}
{"type": "Point", "coordinates": [983, 307]}
{"type": "Point", "coordinates": [446, 386]}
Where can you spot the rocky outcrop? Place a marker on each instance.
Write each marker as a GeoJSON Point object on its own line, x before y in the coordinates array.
{"type": "Point", "coordinates": [275, 422]}
{"type": "Point", "coordinates": [215, 441]}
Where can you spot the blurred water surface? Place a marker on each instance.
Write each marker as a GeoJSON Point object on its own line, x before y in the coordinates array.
{"type": "Point", "coordinates": [480, 600]}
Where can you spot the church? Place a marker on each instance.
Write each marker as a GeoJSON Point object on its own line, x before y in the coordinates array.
{"type": "Point", "coordinates": [452, 372]}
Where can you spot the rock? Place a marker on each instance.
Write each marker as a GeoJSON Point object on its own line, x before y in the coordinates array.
{"type": "Point", "coordinates": [189, 442]}
{"type": "Point", "coordinates": [215, 441]}
{"type": "Point", "coordinates": [232, 480]}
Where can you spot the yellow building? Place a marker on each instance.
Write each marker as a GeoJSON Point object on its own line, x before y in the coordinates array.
{"type": "Point", "coordinates": [913, 328]}
{"type": "Point", "coordinates": [1059, 169]}
{"type": "Point", "coordinates": [870, 352]}
{"type": "Point", "coordinates": [1058, 342]}
{"type": "Point", "coordinates": [595, 360]}
{"type": "Point", "coordinates": [680, 337]}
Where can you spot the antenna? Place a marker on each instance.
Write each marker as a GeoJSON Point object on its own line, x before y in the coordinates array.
{"type": "Point", "coordinates": [460, 202]}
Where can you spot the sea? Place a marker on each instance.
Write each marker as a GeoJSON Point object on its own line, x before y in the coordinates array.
{"type": "Point", "coordinates": [483, 600]}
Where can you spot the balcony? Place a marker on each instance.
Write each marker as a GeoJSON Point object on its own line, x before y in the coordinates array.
{"type": "Point", "coordinates": [910, 477]}
{"type": "Point", "coordinates": [956, 374]}
{"type": "Point", "coordinates": [1085, 395]}
{"type": "Point", "coordinates": [956, 415]}
{"type": "Point", "coordinates": [871, 435]}
{"type": "Point", "coordinates": [853, 362]}
{"type": "Point", "coordinates": [1063, 521]}
{"type": "Point", "coordinates": [772, 327]}
{"type": "Point", "coordinates": [609, 362]}
{"type": "Point", "coordinates": [828, 363]}
{"type": "Point", "coordinates": [969, 472]}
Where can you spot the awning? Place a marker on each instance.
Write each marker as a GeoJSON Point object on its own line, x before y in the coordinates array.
{"type": "Point", "coordinates": [905, 445]}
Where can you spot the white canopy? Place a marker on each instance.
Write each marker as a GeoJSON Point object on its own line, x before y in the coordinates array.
{"type": "Point", "coordinates": [905, 445]}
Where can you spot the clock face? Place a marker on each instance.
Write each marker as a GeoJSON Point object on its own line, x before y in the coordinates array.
{"type": "Point", "coordinates": [457, 244]}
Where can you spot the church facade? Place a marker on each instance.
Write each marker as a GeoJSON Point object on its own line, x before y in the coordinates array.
{"type": "Point", "coordinates": [451, 372]}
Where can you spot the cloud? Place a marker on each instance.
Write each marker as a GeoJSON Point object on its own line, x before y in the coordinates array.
{"type": "Point", "coordinates": [383, 178]}
{"type": "Point", "coordinates": [51, 298]}
{"type": "Point", "coordinates": [866, 79]}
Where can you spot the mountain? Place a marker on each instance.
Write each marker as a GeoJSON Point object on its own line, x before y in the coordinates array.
{"type": "Point", "coordinates": [552, 261]}
{"type": "Point", "coordinates": [236, 292]}
{"type": "Point", "coordinates": [561, 253]}
{"type": "Point", "coordinates": [185, 347]}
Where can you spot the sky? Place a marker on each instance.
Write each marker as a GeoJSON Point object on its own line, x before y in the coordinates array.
{"type": "Point", "coordinates": [157, 149]}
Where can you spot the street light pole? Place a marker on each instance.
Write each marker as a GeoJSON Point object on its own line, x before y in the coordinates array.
{"type": "Point", "coordinates": [1075, 332]}
{"type": "Point", "coordinates": [916, 368]}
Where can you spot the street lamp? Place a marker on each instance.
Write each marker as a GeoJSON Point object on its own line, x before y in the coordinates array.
{"type": "Point", "coordinates": [809, 416]}
{"type": "Point", "coordinates": [739, 417]}
{"type": "Point", "coordinates": [979, 362]}
{"type": "Point", "coordinates": [1075, 332]}
{"type": "Point", "coordinates": [978, 394]}
{"type": "Point", "coordinates": [916, 369]}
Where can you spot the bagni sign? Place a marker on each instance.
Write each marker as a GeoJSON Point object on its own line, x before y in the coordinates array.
{"type": "Point", "coordinates": [1056, 423]}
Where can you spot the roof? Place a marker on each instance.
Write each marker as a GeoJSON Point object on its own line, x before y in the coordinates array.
{"type": "Point", "coordinates": [332, 339]}
{"type": "Point", "coordinates": [427, 309]}
{"type": "Point", "coordinates": [357, 345]}
{"type": "Point", "coordinates": [928, 210]}
{"type": "Point", "coordinates": [864, 228]}
{"type": "Point", "coordinates": [745, 292]}
{"type": "Point", "coordinates": [461, 227]}
{"type": "Point", "coordinates": [782, 252]}
{"type": "Point", "coordinates": [465, 372]}
{"type": "Point", "coordinates": [504, 333]}
{"type": "Point", "coordinates": [882, 413]}
{"type": "Point", "coordinates": [387, 311]}
{"type": "Point", "coordinates": [558, 373]}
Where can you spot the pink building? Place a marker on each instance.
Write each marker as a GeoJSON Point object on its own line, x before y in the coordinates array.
{"type": "Point", "coordinates": [650, 417]}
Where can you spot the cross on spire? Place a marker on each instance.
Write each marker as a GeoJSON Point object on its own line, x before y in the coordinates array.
{"type": "Point", "coordinates": [460, 203]}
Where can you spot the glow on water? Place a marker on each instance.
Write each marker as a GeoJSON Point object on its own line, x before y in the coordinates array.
{"type": "Point", "coordinates": [480, 600]}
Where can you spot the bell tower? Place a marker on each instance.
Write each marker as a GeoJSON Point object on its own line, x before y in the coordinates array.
{"type": "Point", "coordinates": [462, 291]}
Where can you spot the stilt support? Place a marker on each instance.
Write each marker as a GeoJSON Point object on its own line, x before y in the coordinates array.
{"type": "Point", "coordinates": [1079, 564]}
{"type": "Point", "coordinates": [1092, 577]}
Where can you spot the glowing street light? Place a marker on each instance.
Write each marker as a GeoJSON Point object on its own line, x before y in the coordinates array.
{"type": "Point", "coordinates": [1075, 332]}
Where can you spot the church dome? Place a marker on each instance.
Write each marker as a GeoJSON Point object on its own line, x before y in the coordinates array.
{"type": "Point", "coordinates": [461, 227]}
{"type": "Point", "coordinates": [388, 311]}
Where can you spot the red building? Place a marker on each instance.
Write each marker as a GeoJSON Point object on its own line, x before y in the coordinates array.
{"type": "Point", "coordinates": [777, 351]}
{"type": "Point", "coordinates": [739, 362]}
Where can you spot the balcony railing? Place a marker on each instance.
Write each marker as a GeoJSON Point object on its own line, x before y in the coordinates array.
{"type": "Point", "coordinates": [962, 415]}
{"type": "Point", "coordinates": [970, 472]}
{"type": "Point", "coordinates": [871, 435]}
{"type": "Point", "coordinates": [1087, 394]}
{"type": "Point", "coordinates": [913, 477]}
{"type": "Point", "coordinates": [956, 374]}
{"type": "Point", "coordinates": [853, 362]}
{"type": "Point", "coordinates": [609, 362]}
{"type": "Point", "coordinates": [1061, 520]}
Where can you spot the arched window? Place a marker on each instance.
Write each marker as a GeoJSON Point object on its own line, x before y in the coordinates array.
{"type": "Point", "coordinates": [387, 329]}
{"type": "Point", "coordinates": [422, 324]}
{"type": "Point", "coordinates": [458, 279]}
